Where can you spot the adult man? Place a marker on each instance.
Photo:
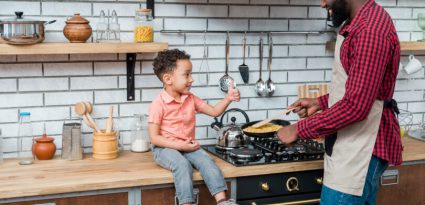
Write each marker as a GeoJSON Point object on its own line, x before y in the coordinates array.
{"type": "Point", "coordinates": [358, 120]}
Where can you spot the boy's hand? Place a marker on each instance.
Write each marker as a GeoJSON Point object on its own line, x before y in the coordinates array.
{"type": "Point", "coordinates": [190, 145]}
{"type": "Point", "coordinates": [233, 94]}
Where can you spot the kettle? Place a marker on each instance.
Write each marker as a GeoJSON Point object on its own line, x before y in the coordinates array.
{"type": "Point", "coordinates": [230, 136]}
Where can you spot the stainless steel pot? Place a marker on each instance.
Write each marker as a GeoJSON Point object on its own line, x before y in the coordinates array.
{"type": "Point", "coordinates": [231, 136]}
{"type": "Point", "coordinates": [21, 31]}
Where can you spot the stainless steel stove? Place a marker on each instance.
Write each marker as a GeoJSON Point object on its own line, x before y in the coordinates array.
{"type": "Point", "coordinates": [268, 151]}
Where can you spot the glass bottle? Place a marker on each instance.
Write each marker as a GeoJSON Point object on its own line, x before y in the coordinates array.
{"type": "Point", "coordinates": [114, 28]}
{"type": "Point", "coordinates": [143, 29]}
{"type": "Point", "coordinates": [25, 134]}
{"type": "Point", "coordinates": [139, 134]}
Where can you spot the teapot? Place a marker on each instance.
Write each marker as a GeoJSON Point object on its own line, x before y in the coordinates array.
{"type": "Point", "coordinates": [230, 136]}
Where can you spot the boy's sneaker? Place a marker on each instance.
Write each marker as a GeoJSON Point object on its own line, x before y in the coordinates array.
{"type": "Point", "coordinates": [228, 202]}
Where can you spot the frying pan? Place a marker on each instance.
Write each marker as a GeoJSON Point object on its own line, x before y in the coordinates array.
{"type": "Point", "coordinates": [264, 134]}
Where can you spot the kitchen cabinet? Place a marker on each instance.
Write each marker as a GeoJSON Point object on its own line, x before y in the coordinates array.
{"type": "Point", "coordinates": [103, 199]}
{"type": "Point", "coordinates": [410, 188]}
{"type": "Point", "coordinates": [165, 196]}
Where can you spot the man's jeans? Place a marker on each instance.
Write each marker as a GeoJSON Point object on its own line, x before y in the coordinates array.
{"type": "Point", "coordinates": [180, 163]}
{"type": "Point", "coordinates": [376, 168]}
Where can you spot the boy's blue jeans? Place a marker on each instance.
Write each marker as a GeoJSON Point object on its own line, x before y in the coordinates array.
{"type": "Point", "coordinates": [376, 169]}
{"type": "Point", "coordinates": [180, 164]}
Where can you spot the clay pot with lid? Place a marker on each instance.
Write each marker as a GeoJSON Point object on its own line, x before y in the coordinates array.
{"type": "Point", "coordinates": [44, 148]}
{"type": "Point", "coordinates": [77, 29]}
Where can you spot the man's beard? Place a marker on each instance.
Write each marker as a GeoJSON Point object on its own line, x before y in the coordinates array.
{"type": "Point", "coordinates": [339, 14]}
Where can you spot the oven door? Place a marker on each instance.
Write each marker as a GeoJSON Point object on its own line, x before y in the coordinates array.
{"type": "Point", "coordinates": [303, 199]}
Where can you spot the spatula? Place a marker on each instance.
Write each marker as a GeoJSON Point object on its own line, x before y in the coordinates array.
{"type": "Point", "coordinates": [264, 122]}
{"type": "Point", "coordinates": [243, 69]}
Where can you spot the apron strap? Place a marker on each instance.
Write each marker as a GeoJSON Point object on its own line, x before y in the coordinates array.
{"type": "Point", "coordinates": [330, 142]}
{"type": "Point", "coordinates": [392, 104]}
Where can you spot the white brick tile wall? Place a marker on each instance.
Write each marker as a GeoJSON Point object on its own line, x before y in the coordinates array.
{"type": "Point", "coordinates": [9, 115]}
{"type": "Point", "coordinates": [66, 8]}
{"type": "Point", "coordinates": [249, 11]}
{"type": "Point", "coordinates": [184, 24]}
{"type": "Point", "coordinates": [21, 100]}
{"type": "Point", "coordinates": [49, 85]}
{"type": "Point", "coordinates": [42, 84]}
{"type": "Point", "coordinates": [42, 58]}
{"type": "Point", "coordinates": [28, 7]}
{"type": "Point", "coordinates": [88, 83]}
{"type": "Point", "coordinates": [8, 85]}
{"type": "Point", "coordinates": [67, 98]}
{"type": "Point", "coordinates": [170, 10]}
{"type": "Point", "coordinates": [207, 10]}
{"type": "Point", "coordinates": [288, 12]}
{"type": "Point", "coordinates": [48, 113]}
{"type": "Point", "coordinates": [67, 69]}
{"type": "Point", "coordinates": [227, 24]}
{"type": "Point", "coordinates": [17, 70]}
{"type": "Point", "coordinates": [114, 96]}
{"type": "Point", "coordinates": [122, 9]}
{"type": "Point", "coordinates": [268, 25]}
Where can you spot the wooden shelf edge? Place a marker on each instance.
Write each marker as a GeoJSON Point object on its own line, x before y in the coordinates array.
{"type": "Point", "coordinates": [412, 46]}
{"type": "Point", "coordinates": [81, 48]}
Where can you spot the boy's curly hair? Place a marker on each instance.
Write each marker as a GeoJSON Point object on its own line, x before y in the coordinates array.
{"type": "Point", "coordinates": [166, 61]}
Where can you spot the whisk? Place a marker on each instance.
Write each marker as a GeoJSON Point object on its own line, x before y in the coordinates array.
{"type": "Point", "coordinates": [204, 66]}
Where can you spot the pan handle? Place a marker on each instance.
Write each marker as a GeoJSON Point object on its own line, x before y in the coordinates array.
{"type": "Point", "coordinates": [235, 109]}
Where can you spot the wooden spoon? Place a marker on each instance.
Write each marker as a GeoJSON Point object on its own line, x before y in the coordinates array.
{"type": "Point", "coordinates": [264, 122]}
{"type": "Point", "coordinates": [109, 122]}
{"type": "Point", "coordinates": [82, 110]}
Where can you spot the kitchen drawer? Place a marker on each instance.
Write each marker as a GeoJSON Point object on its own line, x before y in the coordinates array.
{"type": "Point", "coordinates": [103, 199]}
{"type": "Point", "coordinates": [165, 196]}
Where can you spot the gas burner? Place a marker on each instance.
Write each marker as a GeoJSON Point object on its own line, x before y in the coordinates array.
{"type": "Point", "coordinates": [246, 153]}
{"type": "Point", "coordinates": [268, 151]}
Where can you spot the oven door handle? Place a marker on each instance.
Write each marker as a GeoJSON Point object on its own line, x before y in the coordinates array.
{"type": "Point", "coordinates": [309, 201]}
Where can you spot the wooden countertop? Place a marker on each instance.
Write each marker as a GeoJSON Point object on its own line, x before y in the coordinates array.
{"type": "Point", "coordinates": [130, 170]}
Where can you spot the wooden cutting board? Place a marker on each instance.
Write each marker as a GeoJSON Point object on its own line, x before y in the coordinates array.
{"type": "Point", "coordinates": [313, 91]}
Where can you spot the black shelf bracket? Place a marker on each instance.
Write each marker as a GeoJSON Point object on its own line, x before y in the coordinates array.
{"type": "Point", "coordinates": [150, 4]}
{"type": "Point", "coordinates": [131, 64]}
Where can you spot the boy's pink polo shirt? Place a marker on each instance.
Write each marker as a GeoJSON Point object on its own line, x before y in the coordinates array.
{"type": "Point", "coordinates": [176, 119]}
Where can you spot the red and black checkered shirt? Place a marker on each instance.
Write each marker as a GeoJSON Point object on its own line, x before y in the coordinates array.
{"type": "Point", "coordinates": [370, 54]}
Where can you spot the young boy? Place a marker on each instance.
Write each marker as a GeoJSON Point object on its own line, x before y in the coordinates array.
{"type": "Point", "coordinates": [172, 127]}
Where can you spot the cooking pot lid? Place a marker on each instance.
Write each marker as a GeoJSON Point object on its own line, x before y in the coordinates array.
{"type": "Point", "coordinates": [44, 138]}
{"type": "Point", "coordinates": [19, 19]}
{"type": "Point", "coordinates": [77, 19]}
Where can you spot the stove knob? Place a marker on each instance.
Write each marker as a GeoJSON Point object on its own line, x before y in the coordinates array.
{"type": "Point", "coordinates": [264, 186]}
{"type": "Point", "coordinates": [268, 156]}
{"type": "Point", "coordinates": [319, 180]}
{"type": "Point", "coordinates": [292, 184]}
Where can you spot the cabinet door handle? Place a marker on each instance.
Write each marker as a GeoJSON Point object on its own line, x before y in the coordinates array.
{"type": "Point", "coordinates": [390, 177]}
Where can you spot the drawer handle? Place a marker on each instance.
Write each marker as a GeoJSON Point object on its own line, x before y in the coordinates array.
{"type": "Point", "coordinates": [302, 202]}
{"type": "Point", "coordinates": [50, 203]}
{"type": "Point", "coordinates": [390, 177]}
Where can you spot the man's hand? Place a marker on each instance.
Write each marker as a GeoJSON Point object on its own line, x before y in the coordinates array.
{"type": "Point", "coordinates": [305, 107]}
{"type": "Point", "coordinates": [189, 145]}
{"type": "Point", "coordinates": [233, 94]}
{"type": "Point", "coordinates": [288, 134]}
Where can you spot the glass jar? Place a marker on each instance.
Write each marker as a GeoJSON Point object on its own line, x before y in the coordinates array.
{"type": "Point", "coordinates": [143, 29]}
{"type": "Point", "coordinates": [139, 134]}
{"type": "Point", "coordinates": [25, 137]}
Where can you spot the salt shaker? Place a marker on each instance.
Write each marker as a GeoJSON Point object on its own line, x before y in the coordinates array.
{"type": "Point", "coordinates": [114, 28]}
{"type": "Point", "coordinates": [101, 28]}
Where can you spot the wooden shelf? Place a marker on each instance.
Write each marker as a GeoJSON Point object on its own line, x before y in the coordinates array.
{"type": "Point", "coordinates": [406, 46]}
{"type": "Point", "coordinates": [85, 48]}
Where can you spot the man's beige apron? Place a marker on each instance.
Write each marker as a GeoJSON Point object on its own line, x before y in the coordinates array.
{"type": "Point", "coordinates": [346, 169]}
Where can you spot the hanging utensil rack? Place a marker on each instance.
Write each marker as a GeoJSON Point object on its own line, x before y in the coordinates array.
{"type": "Point", "coordinates": [241, 32]}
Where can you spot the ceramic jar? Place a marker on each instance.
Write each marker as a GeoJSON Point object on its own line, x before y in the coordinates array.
{"type": "Point", "coordinates": [44, 148]}
{"type": "Point", "coordinates": [77, 29]}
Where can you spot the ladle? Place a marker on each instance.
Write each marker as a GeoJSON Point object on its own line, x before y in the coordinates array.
{"type": "Point", "coordinates": [260, 85]}
{"type": "Point", "coordinates": [225, 79]}
{"type": "Point", "coordinates": [270, 87]}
